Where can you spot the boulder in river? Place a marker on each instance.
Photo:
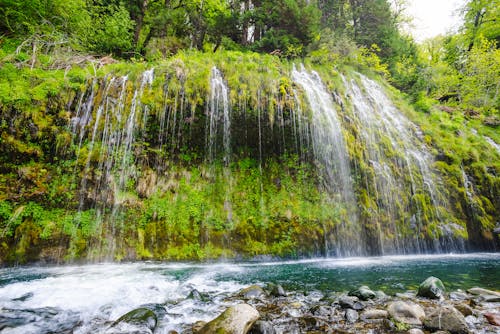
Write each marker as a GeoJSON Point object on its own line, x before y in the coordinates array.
{"type": "Point", "coordinates": [140, 317]}
{"type": "Point", "coordinates": [432, 288]}
{"type": "Point", "coordinates": [237, 319]}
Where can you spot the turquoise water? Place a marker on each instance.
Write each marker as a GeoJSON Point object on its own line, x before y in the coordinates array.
{"type": "Point", "coordinates": [85, 299]}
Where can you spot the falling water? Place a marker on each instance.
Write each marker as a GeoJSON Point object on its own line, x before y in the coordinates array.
{"type": "Point", "coordinates": [219, 125]}
{"type": "Point", "coordinates": [493, 144]}
{"type": "Point", "coordinates": [401, 170]}
{"type": "Point", "coordinates": [110, 147]}
{"type": "Point", "coordinates": [329, 150]}
{"type": "Point", "coordinates": [219, 118]}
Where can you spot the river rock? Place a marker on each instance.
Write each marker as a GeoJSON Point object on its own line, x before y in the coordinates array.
{"type": "Point", "coordinates": [363, 293]}
{"type": "Point", "coordinates": [374, 314]}
{"type": "Point", "coordinates": [276, 290]}
{"type": "Point", "coordinates": [406, 312]}
{"type": "Point", "coordinates": [262, 327]}
{"type": "Point", "coordinates": [196, 295]}
{"type": "Point", "coordinates": [351, 315]}
{"type": "Point", "coordinates": [252, 292]}
{"type": "Point", "coordinates": [351, 302]}
{"type": "Point", "coordinates": [458, 295]}
{"type": "Point", "coordinates": [321, 311]}
{"type": "Point", "coordinates": [464, 309]}
{"type": "Point", "coordinates": [432, 288]}
{"type": "Point", "coordinates": [446, 318]}
{"type": "Point", "coordinates": [237, 319]}
{"type": "Point", "coordinates": [485, 295]}
{"type": "Point", "coordinates": [493, 318]}
{"type": "Point", "coordinates": [140, 316]}
{"type": "Point", "coordinates": [24, 297]}
{"type": "Point", "coordinates": [415, 331]}
{"type": "Point", "coordinates": [483, 292]}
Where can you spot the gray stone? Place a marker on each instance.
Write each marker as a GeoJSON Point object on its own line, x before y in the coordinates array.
{"type": "Point", "coordinates": [277, 290]}
{"type": "Point", "coordinates": [483, 292]}
{"type": "Point", "coordinates": [140, 317]}
{"type": "Point", "coordinates": [458, 295]}
{"type": "Point", "coordinates": [237, 319]}
{"type": "Point", "coordinates": [351, 302]}
{"type": "Point", "coordinates": [363, 293]}
{"type": "Point", "coordinates": [446, 318]}
{"type": "Point", "coordinates": [381, 295]}
{"type": "Point", "coordinates": [406, 312]}
{"type": "Point", "coordinates": [253, 291]}
{"type": "Point", "coordinates": [351, 316]}
{"type": "Point", "coordinates": [24, 297]}
{"type": "Point", "coordinates": [432, 287]}
{"type": "Point", "coordinates": [262, 327]}
{"type": "Point", "coordinates": [321, 311]}
{"type": "Point", "coordinates": [372, 314]}
{"type": "Point", "coordinates": [415, 331]}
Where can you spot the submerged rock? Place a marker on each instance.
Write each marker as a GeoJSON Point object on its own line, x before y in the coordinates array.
{"type": "Point", "coordinates": [363, 293]}
{"type": "Point", "coordinates": [141, 317]}
{"type": "Point", "coordinates": [24, 297]}
{"type": "Point", "coordinates": [406, 312]}
{"type": "Point", "coordinates": [446, 318]}
{"type": "Point", "coordinates": [196, 295]}
{"type": "Point", "coordinates": [432, 288]}
{"type": "Point", "coordinates": [237, 319]}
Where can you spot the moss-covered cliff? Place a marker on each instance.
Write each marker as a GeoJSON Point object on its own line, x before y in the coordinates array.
{"type": "Point", "coordinates": [177, 160]}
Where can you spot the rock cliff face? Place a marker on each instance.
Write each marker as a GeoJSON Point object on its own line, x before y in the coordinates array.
{"type": "Point", "coordinates": [239, 154]}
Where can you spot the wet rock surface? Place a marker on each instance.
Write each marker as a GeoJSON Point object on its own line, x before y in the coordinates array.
{"type": "Point", "coordinates": [432, 287]}
{"type": "Point", "coordinates": [236, 319]}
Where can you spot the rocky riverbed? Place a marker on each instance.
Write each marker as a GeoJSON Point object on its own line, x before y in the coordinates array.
{"type": "Point", "coordinates": [270, 309]}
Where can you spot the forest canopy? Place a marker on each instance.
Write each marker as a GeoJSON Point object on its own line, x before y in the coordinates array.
{"type": "Point", "coordinates": [462, 67]}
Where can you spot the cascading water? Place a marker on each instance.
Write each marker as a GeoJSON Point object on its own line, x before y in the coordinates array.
{"type": "Point", "coordinates": [405, 188]}
{"type": "Point", "coordinates": [219, 125]}
{"type": "Point", "coordinates": [110, 147]}
{"type": "Point", "coordinates": [377, 194]}
{"type": "Point", "coordinates": [329, 150]}
{"type": "Point", "coordinates": [219, 118]}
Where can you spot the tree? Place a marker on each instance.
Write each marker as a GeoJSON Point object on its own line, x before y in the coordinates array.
{"type": "Point", "coordinates": [481, 18]}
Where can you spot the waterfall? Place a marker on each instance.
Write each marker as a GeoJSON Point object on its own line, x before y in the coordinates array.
{"type": "Point", "coordinates": [219, 118]}
{"type": "Point", "coordinates": [219, 125]}
{"type": "Point", "coordinates": [109, 153]}
{"type": "Point", "coordinates": [405, 187]}
{"type": "Point", "coordinates": [493, 144]}
{"type": "Point", "coordinates": [206, 164]}
{"type": "Point", "coordinates": [329, 150]}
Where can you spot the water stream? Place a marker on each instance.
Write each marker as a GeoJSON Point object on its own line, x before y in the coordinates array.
{"type": "Point", "coordinates": [87, 299]}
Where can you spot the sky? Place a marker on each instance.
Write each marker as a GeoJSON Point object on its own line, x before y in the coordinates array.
{"type": "Point", "coordinates": [433, 17]}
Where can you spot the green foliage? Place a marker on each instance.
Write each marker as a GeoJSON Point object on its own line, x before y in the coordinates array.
{"type": "Point", "coordinates": [112, 29]}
